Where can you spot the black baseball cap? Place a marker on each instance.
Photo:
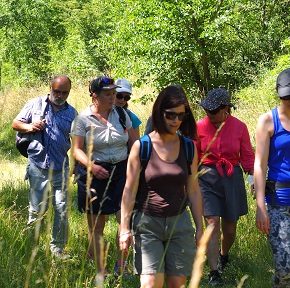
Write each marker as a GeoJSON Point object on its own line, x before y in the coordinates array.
{"type": "Point", "coordinates": [283, 83]}
{"type": "Point", "coordinates": [102, 83]}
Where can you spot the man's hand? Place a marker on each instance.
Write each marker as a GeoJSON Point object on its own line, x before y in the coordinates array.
{"type": "Point", "coordinates": [37, 126]}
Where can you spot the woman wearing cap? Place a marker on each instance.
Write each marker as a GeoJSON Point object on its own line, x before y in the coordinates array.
{"type": "Point", "coordinates": [273, 157]}
{"type": "Point", "coordinates": [124, 92]}
{"type": "Point", "coordinates": [224, 147]}
{"type": "Point", "coordinates": [100, 146]}
{"type": "Point", "coordinates": [163, 233]}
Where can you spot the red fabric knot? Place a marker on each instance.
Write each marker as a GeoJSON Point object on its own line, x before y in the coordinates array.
{"type": "Point", "coordinates": [224, 164]}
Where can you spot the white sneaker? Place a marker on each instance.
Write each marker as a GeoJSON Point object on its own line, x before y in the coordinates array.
{"type": "Point", "coordinates": [99, 280]}
{"type": "Point", "coordinates": [60, 254]}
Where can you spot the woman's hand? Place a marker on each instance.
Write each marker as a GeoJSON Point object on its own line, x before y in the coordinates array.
{"type": "Point", "coordinates": [262, 220]}
{"type": "Point", "coordinates": [99, 172]}
{"type": "Point", "coordinates": [125, 240]}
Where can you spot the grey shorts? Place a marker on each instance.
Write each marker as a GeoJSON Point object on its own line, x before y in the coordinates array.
{"type": "Point", "coordinates": [223, 196]}
{"type": "Point", "coordinates": [163, 245]}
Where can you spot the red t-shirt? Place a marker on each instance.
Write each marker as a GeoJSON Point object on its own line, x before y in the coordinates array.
{"type": "Point", "coordinates": [228, 147]}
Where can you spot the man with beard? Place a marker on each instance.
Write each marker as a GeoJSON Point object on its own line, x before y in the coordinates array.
{"type": "Point", "coordinates": [47, 119]}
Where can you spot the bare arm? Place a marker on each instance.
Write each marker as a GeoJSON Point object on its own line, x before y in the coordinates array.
{"type": "Point", "coordinates": [28, 127]}
{"type": "Point", "coordinates": [264, 132]}
{"type": "Point", "coordinates": [129, 195]}
{"type": "Point", "coordinates": [133, 136]}
{"type": "Point", "coordinates": [195, 198]}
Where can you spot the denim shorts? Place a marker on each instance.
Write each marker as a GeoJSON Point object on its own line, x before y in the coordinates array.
{"type": "Point", "coordinates": [163, 245]}
{"type": "Point", "coordinates": [105, 195]}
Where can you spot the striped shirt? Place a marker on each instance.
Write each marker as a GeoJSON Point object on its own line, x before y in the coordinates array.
{"type": "Point", "coordinates": [51, 150]}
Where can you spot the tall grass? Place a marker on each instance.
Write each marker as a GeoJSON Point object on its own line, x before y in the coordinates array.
{"type": "Point", "coordinates": [250, 255]}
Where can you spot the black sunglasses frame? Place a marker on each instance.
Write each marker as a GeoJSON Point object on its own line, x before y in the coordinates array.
{"type": "Point", "coordinates": [215, 111]}
{"type": "Point", "coordinates": [285, 97]}
{"type": "Point", "coordinates": [121, 96]}
{"type": "Point", "coordinates": [170, 115]}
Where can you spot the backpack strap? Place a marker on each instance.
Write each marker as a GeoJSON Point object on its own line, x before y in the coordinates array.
{"type": "Point", "coordinates": [145, 150]}
{"type": "Point", "coordinates": [23, 139]}
{"type": "Point", "coordinates": [189, 151]}
{"type": "Point", "coordinates": [122, 116]}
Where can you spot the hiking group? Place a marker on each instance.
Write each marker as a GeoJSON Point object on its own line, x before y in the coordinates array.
{"type": "Point", "coordinates": [155, 185]}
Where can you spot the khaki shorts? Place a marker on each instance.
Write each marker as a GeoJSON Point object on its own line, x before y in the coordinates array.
{"type": "Point", "coordinates": [163, 245]}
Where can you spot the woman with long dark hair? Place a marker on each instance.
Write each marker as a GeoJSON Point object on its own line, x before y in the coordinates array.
{"type": "Point", "coordinates": [161, 191]}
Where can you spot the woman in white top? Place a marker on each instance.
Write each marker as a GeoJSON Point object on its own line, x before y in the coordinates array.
{"type": "Point", "coordinates": [101, 135]}
{"type": "Point", "coordinates": [124, 92]}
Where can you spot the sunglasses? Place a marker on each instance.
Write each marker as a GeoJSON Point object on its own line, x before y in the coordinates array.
{"type": "Point", "coordinates": [285, 98]}
{"type": "Point", "coordinates": [215, 111]}
{"type": "Point", "coordinates": [169, 115]}
{"type": "Point", "coordinates": [121, 96]}
{"type": "Point", "coordinates": [59, 92]}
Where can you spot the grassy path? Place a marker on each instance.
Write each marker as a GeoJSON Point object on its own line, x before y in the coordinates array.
{"type": "Point", "coordinates": [250, 255]}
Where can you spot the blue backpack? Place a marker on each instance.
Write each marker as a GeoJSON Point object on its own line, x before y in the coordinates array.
{"type": "Point", "coordinates": [146, 149]}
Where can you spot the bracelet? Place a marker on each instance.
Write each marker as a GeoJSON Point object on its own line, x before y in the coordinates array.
{"type": "Point", "coordinates": [125, 233]}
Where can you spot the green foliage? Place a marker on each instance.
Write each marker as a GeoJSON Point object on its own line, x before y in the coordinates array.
{"type": "Point", "coordinates": [28, 26]}
{"type": "Point", "coordinates": [7, 142]}
{"type": "Point", "coordinates": [250, 254]}
{"type": "Point", "coordinates": [201, 44]}
{"type": "Point", "coordinates": [197, 43]}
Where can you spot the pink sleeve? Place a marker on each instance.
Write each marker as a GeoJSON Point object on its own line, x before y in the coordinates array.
{"type": "Point", "coordinates": [247, 156]}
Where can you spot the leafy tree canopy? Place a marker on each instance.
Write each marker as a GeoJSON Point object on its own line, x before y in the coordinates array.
{"type": "Point", "coordinates": [197, 43]}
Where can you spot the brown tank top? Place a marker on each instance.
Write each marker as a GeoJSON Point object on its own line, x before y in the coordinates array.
{"type": "Point", "coordinates": [161, 191]}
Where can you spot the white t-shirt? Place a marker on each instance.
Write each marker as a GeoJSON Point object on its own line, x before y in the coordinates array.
{"type": "Point", "coordinates": [109, 139]}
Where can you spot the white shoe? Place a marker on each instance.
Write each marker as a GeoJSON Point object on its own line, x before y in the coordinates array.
{"type": "Point", "coordinates": [99, 280]}
{"type": "Point", "coordinates": [60, 254]}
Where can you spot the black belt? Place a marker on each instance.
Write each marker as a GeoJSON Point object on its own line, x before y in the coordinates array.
{"type": "Point", "coordinates": [280, 185]}
{"type": "Point", "coordinates": [272, 186]}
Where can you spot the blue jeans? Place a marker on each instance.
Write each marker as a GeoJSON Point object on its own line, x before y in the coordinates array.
{"type": "Point", "coordinates": [40, 181]}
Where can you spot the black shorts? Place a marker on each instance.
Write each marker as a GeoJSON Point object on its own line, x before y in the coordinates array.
{"type": "Point", "coordinates": [104, 198]}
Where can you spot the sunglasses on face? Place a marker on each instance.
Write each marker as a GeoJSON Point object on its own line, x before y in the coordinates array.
{"type": "Point", "coordinates": [214, 112]}
{"type": "Point", "coordinates": [59, 92]}
{"type": "Point", "coordinates": [285, 98]}
{"type": "Point", "coordinates": [170, 115]}
{"type": "Point", "coordinates": [121, 96]}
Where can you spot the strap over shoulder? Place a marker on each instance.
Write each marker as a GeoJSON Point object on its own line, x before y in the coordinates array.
{"type": "Point", "coordinates": [145, 150]}
{"type": "Point", "coordinates": [122, 116]}
{"type": "Point", "coordinates": [188, 147]}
